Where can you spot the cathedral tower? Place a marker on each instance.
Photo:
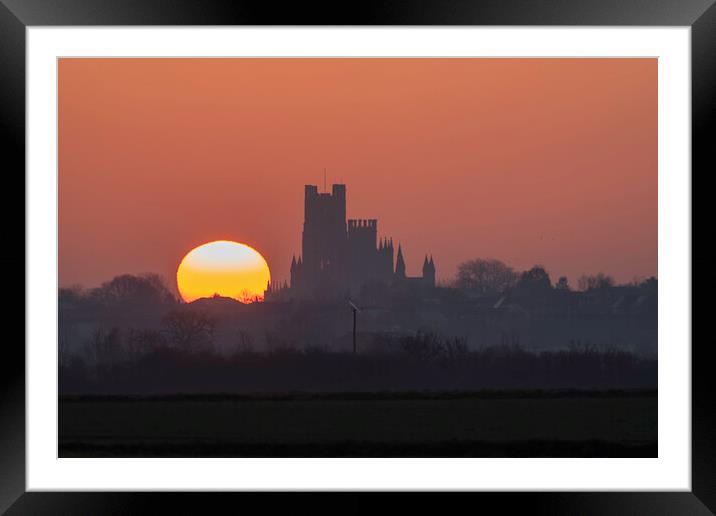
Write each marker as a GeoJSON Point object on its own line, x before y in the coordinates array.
{"type": "Point", "coordinates": [322, 267]}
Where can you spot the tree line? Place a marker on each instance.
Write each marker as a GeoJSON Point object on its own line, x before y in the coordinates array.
{"type": "Point", "coordinates": [490, 276]}
{"type": "Point", "coordinates": [418, 362]}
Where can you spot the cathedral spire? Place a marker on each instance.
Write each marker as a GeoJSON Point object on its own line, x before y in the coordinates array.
{"type": "Point", "coordinates": [400, 264]}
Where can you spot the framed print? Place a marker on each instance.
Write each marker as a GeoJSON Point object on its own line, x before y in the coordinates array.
{"type": "Point", "coordinates": [440, 249]}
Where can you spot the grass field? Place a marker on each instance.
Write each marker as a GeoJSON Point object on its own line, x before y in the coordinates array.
{"type": "Point", "coordinates": [526, 424]}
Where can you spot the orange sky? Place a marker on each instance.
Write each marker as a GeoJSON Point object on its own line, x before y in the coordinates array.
{"type": "Point", "coordinates": [531, 161]}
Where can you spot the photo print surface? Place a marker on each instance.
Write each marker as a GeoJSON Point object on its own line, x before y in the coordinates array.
{"type": "Point", "coordinates": [357, 257]}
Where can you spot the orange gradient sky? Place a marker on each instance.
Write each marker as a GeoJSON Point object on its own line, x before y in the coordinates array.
{"type": "Point", "coordinates": [531, 161]}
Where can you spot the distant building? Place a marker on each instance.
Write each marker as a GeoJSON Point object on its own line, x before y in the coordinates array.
{"type": "Point", "coordinates": [340, 257]}
{"type": "Point", "coordinates": [427, 280]}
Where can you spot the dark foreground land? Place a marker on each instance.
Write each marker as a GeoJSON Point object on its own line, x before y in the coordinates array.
{"type": "Point", "coordinates": [456, 424]}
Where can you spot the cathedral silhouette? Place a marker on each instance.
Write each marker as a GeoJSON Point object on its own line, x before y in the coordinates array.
{"type": "Point", "coordinates": [341, 258]}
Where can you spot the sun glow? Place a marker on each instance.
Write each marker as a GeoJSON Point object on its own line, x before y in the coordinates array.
{"type": "Point", "coordinates": [226, 268]}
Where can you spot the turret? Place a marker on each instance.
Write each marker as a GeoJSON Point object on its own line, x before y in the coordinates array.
{"type": "Point", "coordinates": [429, 271]}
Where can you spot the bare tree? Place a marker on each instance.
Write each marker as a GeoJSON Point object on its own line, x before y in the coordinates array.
{"type": "Point", "coordinates": [534, 280]}
{"type": "Point", "coordinates": [246, 342]}
{"type": "Point", "coordinates": [595, 282]}
{"type": "Point", "coordinates": [134, 290]}
{"type": "Point", "coordinates": [486, 276]}
{"type": "Point", "coordinates": [70, 295]}
{"type": "Point", "coordinates": [143, 341]}
{"type": "Point", "coordinates": [66, 334]}
{"type": "Point", "coordinates": [246, 297]}
{"type": "Point", "coordinates": [190, 330]}
{"type": "Point", "coordinates": [105, 347]}
{"type": "Point", "coordinates": [562, 284]}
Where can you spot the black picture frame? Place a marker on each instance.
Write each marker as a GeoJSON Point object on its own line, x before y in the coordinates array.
{"type": "Point", "coordinates": [17, 15]}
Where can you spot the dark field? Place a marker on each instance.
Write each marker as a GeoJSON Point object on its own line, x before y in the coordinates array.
{"type": "Point", "coordinates": [483, 424]}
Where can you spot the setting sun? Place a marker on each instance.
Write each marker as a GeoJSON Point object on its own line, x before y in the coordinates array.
{"type": "Point", "coordinates": [226, 268]}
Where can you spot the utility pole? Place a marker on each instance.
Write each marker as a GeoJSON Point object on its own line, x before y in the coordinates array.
{"type": "Point", "coordinates": [354, 331]}
{"type": "Point", "coordinates": [355, 311]}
